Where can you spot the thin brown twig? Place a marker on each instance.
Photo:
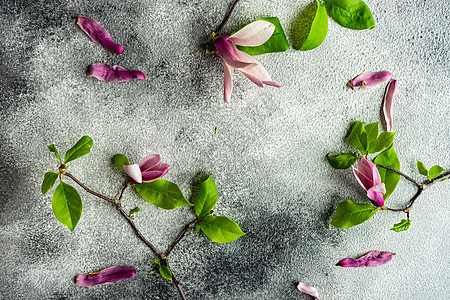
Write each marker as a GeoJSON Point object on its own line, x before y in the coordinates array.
{"type": "Point", "coordinates": [228, 17]}
{"type": "Point", "coordinates": [186, 230]}
{"type": "Point", "coordinates": [175, 281]}
{"type": "Point", "coordinates": [400, 173]}
{"type": "Point", "coordinates": [443, 176]}
{"type": "Point", "coordinates": [87, 189]}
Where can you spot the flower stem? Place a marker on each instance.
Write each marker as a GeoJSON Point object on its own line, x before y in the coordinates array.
{"type": "Point", "coordinates": [227, 18]}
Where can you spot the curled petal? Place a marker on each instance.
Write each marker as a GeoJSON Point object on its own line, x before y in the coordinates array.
{"type": "Point", "coordinates": [111, 274]}
{"type": "Point", "coordinates": [107, 72]}
{"type": "Point", "coordinates": [257, 74]}
{"type": "Point", "coordinates": [134, 172]}
{"type": "Point", "coordinates": [369, 79]}
{"type": "Point", "coordinates": [150, 161]}
{"type": "Point", "coordinates": [254, 34]}
{"type": "Point", "coordinates": [98, 34]}
{"type": "Point", "coordinates": [388, 105]}
{"type": "Point", "coordinates": [372, 259]}
{"type": "Point", "coordinates": [307, 289]}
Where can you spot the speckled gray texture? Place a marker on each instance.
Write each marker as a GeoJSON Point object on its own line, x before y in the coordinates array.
{"type": "Point", "coordinates": [268, 158]}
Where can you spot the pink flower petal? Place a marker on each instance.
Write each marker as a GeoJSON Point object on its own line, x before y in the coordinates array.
{"type": "Point", "coordinates": [227, 81]}
{"type": "Point", "coordinates": [110, 73]}
{"type": "Point", "coordinates": [98, 34]}
{"type": "Point", "coordinates": [111, 274]}
{"type": "Point", "coordinates": [388, 105]}
{"type": "Point", "coordinates": [254, 34]}
{"type": "Point", "coordinates": [380, 188]}
{"type": "Point", "coordinates": [150, 161]}
{"type": "Point", "coordinates": [228, 52]}
{"type": "Point", "coordinates": [363, 180]}
{"type": "Point", "coordinates": [150, 176]}
{"type": "Point", "coordinates": [307, 289]}
{"type": "Point", "coordinates": [258, 72]}
{"type": "Point", "coordinates": [134, 172]}
{"type": "Point", "coordinates": [372, 259]}
{"type": "Point", "coordinates": [369, 79]}
{"type": "Point", "coordinates": [376, 198]}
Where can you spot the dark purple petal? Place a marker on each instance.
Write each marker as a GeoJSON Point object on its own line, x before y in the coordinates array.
{"type": "Point", "coordinates": [372, 259]}
{"type": "Point", "coordinates": [152, 175]}
{"type": "Point", "coordinates": [98, 34]}
{"type": "Point", "coordinates": [107, 72]}
{"type": "Point", "coordinates": [111, 274]}
{"type": "Point", "coordinates": [149, 162]}
{"type": "Point", "coordinates": [388, 104]}
{"type": "Point", "coordinates": [369, 79]}
{"type": "Point", "coordinates": [307, 289]}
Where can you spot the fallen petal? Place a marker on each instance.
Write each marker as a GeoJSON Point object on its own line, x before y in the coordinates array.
{"type": "Point", "coordinates": [111, 274]}
{"type": "Point", "coordinates": [254, 34]}
{"type": "Point", "coordinates": [307, 289]}
{"type": "Point", "coordinates": [110, 73]}
{"type": "Point", "coordinates": [372, 259]}
{"type": "Point", "coordinates": [388, 105]}
{"type": "Point", "coordinates": [369, 79]}
{"type": "Point", "coordinates": [98, 34]}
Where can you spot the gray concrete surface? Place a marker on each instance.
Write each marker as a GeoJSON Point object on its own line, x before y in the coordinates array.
{"type": "Point", "coordinates": [268, 158]}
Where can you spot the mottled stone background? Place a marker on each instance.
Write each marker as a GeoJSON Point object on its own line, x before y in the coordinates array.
{"type": "Point", "coordinates": [268, 157]}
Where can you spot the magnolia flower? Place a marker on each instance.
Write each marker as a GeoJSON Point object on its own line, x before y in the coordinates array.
{"type": "Point", "coordinates": [254, 34]}
{"type": "Point", "coordinates": [369, 178]}
{"type": "Point", "coordinates": [111, 274]}
{"type": "Point", "coordinates": [372, 259]}
{"type": "Point", "coordinates": [388, 104]}
{"type": "Point", "coordinates": [148, 169]}
{"type": "Point", "coordinates": [369, 79]}
{"type": "Point", "coordinates": [307, 289]}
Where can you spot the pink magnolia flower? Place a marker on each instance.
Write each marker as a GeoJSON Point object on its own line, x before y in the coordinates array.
{"type": "Point", "coordinates": [254, 34]}
{"type": "Point", "coordinates": [369, 178]}
{"type": "Point", "coordinates": [148, 169]}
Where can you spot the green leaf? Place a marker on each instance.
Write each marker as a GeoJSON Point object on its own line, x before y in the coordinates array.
{"type": "Point", "coordinates": [276, 43]}
{"type": "Point", "coordinates": [421, 168]}
{"type": "Point", "coordinates": [205, 197]}
{"type": "Point", "coordinates": [80, 149]}
{"type": "Point", "coordinates": [390, 179]}
{"type": "Point", "coordinates": [156, 260]}
{"type": "Point", "coordinates": [162, 193]}
{"type": "Point", "coordinates": [135, 210]}
{"type": "Point", "coordinates": [49, 181]}
{"type": "Point", "coordinates": [349, 213]}
{"type": "Point", "coordinates": [52, 148]}
{"type": "Point", "coordinates": [435, 171]}
{"type": "Point", "coordinates": [165, 272]}
{"type": "Point", "coordinates": [358, 137]}
{"type": "Point", "coordinates": [318, 31]}
{"type": "Point", "coordinates": [120, 160]}
{"type": "Point", "coordinates": [402, 226]}
{"type": "Point", "coordinates": [342, 161]}
{"type": "Point", "coordinates": [384, 140]}
{"type": "Point", "coordinates": [67, 206]}
{"type": "Point", "coordinates": [220, 229]}
{"type": "Point", "coordinates": [353, 14]}
{"type": "Point", "coordinates": [372, 131]}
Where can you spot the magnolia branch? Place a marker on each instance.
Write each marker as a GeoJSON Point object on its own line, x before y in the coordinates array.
{"type": "Point", "coordinates": [227, 18]}
{"type": "Point", "coordinates": [420, 188]}
{"type": "Point", "coordinates": [162, 256]}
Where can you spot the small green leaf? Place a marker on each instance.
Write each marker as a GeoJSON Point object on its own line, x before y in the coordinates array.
{"type": "Point", "coordinates": [390, 179]}
{"type": "Point", "coordinates": [276, 43]}
{"type": "Point", "coordinates": [384, 140]}
{"type": "Point", "coordinates": [49, 181]}
{"type": "Point", "coordinates": [435, 171]}
{"type": "Point", "coordinates": [67, 205]}
{"type": "Point", "coordinates": [220, 229]}
{"type": "Point", "coordinates": [120, 160]}
{"type": "Point", "coordinates": [80, 149]}
{"type": "Point", "coordinates": [156, 260]}
{"type": "Point", "coordinates": [135, 210]}
{"type": "Point", "coordinates": [358, 137]}
{"type": "Point", "coordinates": [318, 31]}
{"type": "Point", "coordinates": [205, 197]}
{"type": "Point", "coordinates": [197, 227]}
{"type": "Point", "coordinates": [165, 272]}
{"type": "Point", "coordinates": [349, 214]}
{"type": "Point", "coordinates": [52, 148]}
{"type": "Point", "coordinates": [421, 168]}
{"type": "Point", "coordinates": [342, 161]}
{"type": "Point", "coordinates": [402, 226]}
{"type": "Point", "coordinates": [162, 193]}
{"type": "Point", "coordinates": [353, 14]}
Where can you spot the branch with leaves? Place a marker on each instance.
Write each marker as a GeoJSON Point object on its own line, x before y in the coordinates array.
{"type": "Point", "coordinates": [145, 178]}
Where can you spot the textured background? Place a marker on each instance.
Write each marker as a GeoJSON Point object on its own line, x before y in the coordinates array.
{"type": "Point", "coordinates": [268, 158]}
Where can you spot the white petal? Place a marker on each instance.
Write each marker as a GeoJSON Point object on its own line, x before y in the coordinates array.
{"type": "Point", "coordinates": [134, 172]}
{"type": "Point", "coordinates": [379, 188]}
{"type": "Point", "coordinates": [254, 34]}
